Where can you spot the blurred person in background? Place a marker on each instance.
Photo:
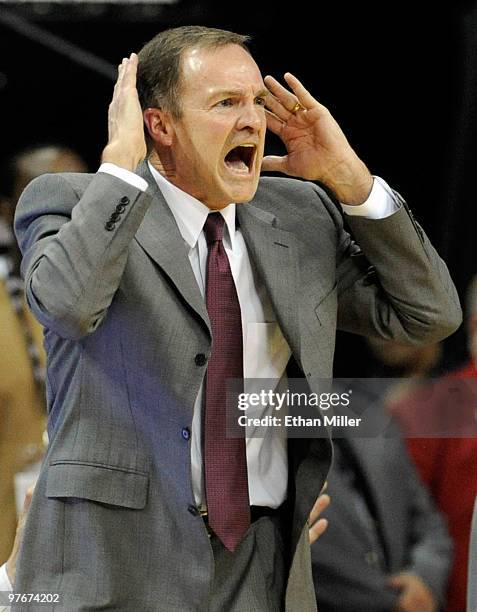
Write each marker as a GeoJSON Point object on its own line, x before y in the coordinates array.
{"type": "Point", "coordinates": [446, 462]}
{"type": "Point", "coordinates": [8, 569]}
{"type": "Point", "coordinates": [22, 358]}
{"type": "Point", "coordinates": [386, 548]}
{"type": "Point", "coordinates": [16, 172]}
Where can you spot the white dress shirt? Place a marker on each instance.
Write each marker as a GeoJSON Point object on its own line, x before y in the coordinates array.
{"type": "Point", "coordinates": [265, 350]}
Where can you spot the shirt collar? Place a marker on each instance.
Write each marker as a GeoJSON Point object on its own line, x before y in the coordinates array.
{"type": "Point", "coordinates": [189, 213]}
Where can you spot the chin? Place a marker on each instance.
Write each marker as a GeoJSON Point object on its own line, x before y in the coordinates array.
{"type": "Point", "coordinates": [244, 195]}
{"type": "Point", "coordinates": [238, 192]}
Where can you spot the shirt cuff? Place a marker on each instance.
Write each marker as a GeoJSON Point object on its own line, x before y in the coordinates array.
{"type": "Point", "coordinates": [381, 202]}
{"type": "Point", "coordinates": [125, 175]}
{"type": "Point", "coordinates": [5, 584]}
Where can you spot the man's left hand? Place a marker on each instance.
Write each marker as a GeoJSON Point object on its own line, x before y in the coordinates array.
{"type": "Point", "coordinates": [317, 525]}
{"type": "Point", "coordinates": [317, 148]}
{"type": "Point", "coordinates": [414, 595]}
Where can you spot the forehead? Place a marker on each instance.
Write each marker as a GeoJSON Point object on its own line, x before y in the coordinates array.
{"type": "Point", "coordinates": [206, 71]}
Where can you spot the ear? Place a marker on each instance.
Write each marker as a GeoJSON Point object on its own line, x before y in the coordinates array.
{"type": "Point", "coordinates": [159, 126]}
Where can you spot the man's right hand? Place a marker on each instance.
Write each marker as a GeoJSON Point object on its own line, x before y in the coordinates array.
{"type": "Point", "coordinates": [126, 143]}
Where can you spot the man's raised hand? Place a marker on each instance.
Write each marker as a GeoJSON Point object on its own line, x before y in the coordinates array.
{"type": "Point", "coordinates": [317, 149]}
{"type": "Point", "coordinates": [126, 143]}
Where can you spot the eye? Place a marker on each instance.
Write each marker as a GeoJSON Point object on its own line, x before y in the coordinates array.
{"type": "Point", "coordinates": [260, 101]}
{"type": "Point", "coordinates": [225, 103]}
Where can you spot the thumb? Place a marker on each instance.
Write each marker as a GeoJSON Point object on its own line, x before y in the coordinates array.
{"type": "Point", "coordinates": [396, 582]}
{"type": "Point", "coordinates": [274, 163]}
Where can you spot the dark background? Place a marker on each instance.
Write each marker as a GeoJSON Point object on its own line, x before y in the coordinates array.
{"type": "Point", "coordinates": [401, 79]}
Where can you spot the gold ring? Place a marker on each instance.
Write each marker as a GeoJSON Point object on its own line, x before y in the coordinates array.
{"type": "Point", "coordinates": [296, 108]}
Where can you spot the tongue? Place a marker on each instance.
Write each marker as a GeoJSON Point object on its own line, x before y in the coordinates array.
{"type": "Point", "coordinates": [236, 164]}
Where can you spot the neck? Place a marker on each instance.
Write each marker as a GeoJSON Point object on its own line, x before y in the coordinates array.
{"type": "Point", "coordinates": [164, 164]}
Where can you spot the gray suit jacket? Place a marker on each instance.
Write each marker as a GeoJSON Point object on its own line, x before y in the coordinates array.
{"type": "Point", "coordinates": [349, 576]}
{"type": "Point", "coordinates": [112, 521]}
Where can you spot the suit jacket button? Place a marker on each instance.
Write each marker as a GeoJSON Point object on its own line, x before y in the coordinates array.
{"type": "Point", "coordinates": [125, 200]}
{"type": "Point", "coordinates": [110, 225]}
{"type": "Point", "coordinates": [193, 510]}
{"type": "Point", "coordinates": [185, 433]}
{"type": "Point", "coordinates": [115, 217]}
{"type": "Point", "coordinates": [200, 359]}
{"type": "Point", "coordinates": [120, 208]}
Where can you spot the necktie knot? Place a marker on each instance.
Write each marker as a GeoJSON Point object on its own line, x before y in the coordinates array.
{"type": "Point", "coordinates": [214, 228]}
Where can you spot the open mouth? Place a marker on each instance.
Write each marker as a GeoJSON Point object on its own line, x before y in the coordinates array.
{"type": "Point", "coordinates": [240, 159]}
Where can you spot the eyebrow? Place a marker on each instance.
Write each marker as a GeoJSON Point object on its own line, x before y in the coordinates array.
{"type": "Point", "coordinates": [237, 92]}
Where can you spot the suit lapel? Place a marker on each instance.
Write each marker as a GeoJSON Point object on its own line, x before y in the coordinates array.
{"type": "Point", "coordinates": [274, 254]}
{"type": "Point", "coordinates": [160, 237]}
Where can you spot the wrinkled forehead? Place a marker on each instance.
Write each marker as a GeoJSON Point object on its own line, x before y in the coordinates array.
{"type": "Point", "coordinates": [229, 67]}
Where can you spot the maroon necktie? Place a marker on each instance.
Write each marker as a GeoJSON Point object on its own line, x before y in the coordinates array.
{"type": "Point", "coordinates": [226, 483]}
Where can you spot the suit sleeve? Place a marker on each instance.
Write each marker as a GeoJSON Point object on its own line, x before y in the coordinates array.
{"type": "Point", "coordinates": [393, 285]}
{"type": "Point", "coordinates": [74, 254]}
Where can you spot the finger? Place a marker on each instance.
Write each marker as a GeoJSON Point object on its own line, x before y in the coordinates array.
{"type": "Point", "coordinates": [303, 95]}
{"type": "Point", "coordinates": [117, 80]}
{"type": "Point", "coordinates": [317, 530]}
{"type": "Point", "coordinates": [321, 504]}
{"type": "Point", "coordinates": [120, 76]}
{"type": "Point", "coordinates": [27, 500]}
{"type": "Point", "coordinates": [286, 98]}
{"type": "Point", "coordinates": [274, 124]}
{"type": "Point", "coordinates": [29, 491]}
{"type": "Point", "coordinates": [124, 71]}
{"type": "Point", "coordinates": [130, 72]}
{"type": "Point", "coordinates": [274, 163]}
{"type": "Point", "coordinates": [277, 108]}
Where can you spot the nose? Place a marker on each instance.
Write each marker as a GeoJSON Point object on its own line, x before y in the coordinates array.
{"type": "Point", "coordinates": [251, 117]}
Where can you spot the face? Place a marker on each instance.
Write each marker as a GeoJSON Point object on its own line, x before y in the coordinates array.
{"type": "Point", "coordinates": [217, 144]}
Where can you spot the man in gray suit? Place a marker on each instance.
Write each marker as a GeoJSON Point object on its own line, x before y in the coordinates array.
{"type": "Point", "coordinates": [126, 514]}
